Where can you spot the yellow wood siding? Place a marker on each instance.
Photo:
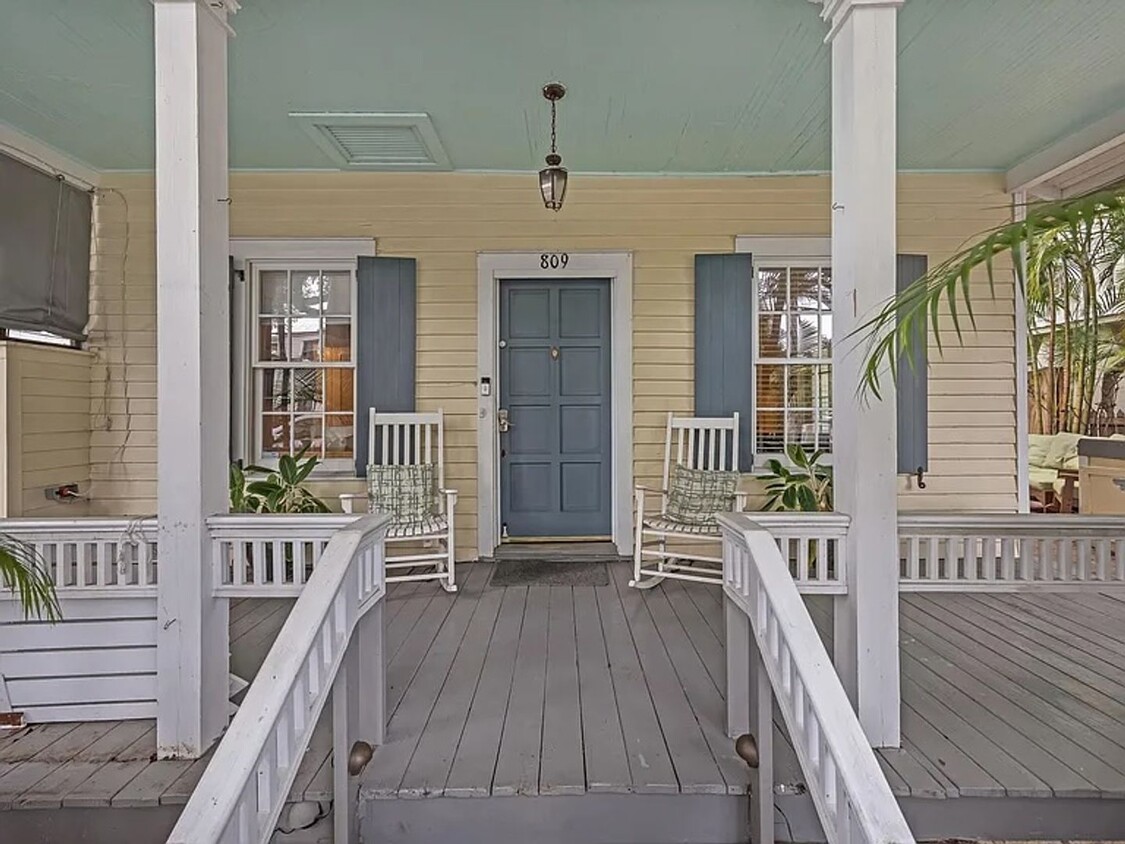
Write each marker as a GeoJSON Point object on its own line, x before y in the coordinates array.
{"type": "Point", "coordinates": [444, 220]}
{"type": "Point", "coordinates": [46, 417]}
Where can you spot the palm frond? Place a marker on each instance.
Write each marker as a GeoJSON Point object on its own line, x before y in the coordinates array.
{"type": "Point", "coordinates": [24, 573]}
{"type": "Point", "coordinates": [901, 324]}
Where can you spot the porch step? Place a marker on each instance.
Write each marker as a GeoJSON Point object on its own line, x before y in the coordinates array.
{"type": "Point", "coordinates": [556, 551]}
{"type": "Point", "coordinates": [605, 818]}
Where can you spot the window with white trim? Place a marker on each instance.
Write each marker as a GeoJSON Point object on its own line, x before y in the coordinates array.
{"type": "Point", "coordinates": [303, 360]}
{"type": "Point", "coordinates": [792, 355]}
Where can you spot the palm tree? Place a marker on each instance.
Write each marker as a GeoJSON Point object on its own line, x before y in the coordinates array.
{"type": "Point", "coordinates": [902, 322]}
{"type": "Point", "coordinates": [22, 571]}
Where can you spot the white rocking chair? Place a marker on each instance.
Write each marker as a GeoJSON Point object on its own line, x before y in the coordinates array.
{"type": "Point", "coordinates": [413, 439]}
{"type": "Point", "coordinates": [706, 444]}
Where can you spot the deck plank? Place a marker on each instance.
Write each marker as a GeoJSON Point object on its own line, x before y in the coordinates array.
{"type": "Point", "coordinates": [98, 789]}
{"type": "Point", "coordinates": [703, 638]}
{"type": "Point", "coordinates": [474, 760]}
{"type": "Point", "coordinates": [707, 600]}
{"type": "Point", "coordinates": [603, 743]}
{"type": "Point", "coordinates": [517, 764]}
{"type": "Point", "coordinates": [117, 742]}
{"type": "Point", "coordinates": [1016, 681]}
{"type": "Point", "coordinates": [48, 792]}
{"type": "Point", "coordinates": [18, 777]}
{"type": "Point", "coordinates": [650, 764]}
{"type": "Point", "coordinates": [1067, 673]}
{"type": "Point", "coordinates": [409, 657]}
{"type": "Point", "coordinates": [704, 699]}
{"type": "Point", "coordinates": [917, 778]}
{"type": "Point", "coordinates": [1014, 779]}
{"type": "Point", "coordinates": [562, 769]}
{"type": "Point", "coordinates": [29, 742]}
{"type": "Point", "coordinates": [996, 715]}
{"type": "Point", "coordinates": [405, 726]}
{"type": "Point", "coordinates": [695, 765]}
{"type": "Point", "coordinates": [147, 786]}
{"type": "Point", "coordinates": [429, 768]}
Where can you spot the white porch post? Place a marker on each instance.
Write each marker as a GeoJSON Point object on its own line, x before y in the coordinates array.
{"type": "Point", "coordinates": [192, 371]}
{"type": "Point", "coordinates": [864, 55]}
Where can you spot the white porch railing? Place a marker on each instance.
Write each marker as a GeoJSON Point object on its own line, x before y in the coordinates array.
{"type": "Point", "coordinates": [812, 544]}
{"type": "Point", "coordinates": [773, 649]}
{"type": "Point", "coordinates": [244, 788]}
{"type": "Point", "coordinates": [961, 552]}
{"type": "Point", "coordinates": [90, 557]}
{"type": "Point", "coordinates": [267, 555]}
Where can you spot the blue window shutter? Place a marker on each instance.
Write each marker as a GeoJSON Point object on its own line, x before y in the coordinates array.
{"type": "Point", "coordinates": [913, 384]}
{"type": "Point", "coordinates": [724, 352]}
{"type": "Point", "coordinates": [386, 307]}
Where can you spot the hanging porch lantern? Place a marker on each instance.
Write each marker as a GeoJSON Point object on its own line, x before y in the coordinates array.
{"type": "Point", "coordinates": [552, 178]}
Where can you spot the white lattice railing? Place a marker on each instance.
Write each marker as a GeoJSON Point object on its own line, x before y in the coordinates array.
{"type": "Point", "coordinates": [260, 555]}
{"type": "Point", "coordinates": [812, 544]}
{"type": "Point", "coordinates": [92, 556]}
{"type": "Point", "coordinates": [961, 552]}
{"type": "Point", "coordinates": [245, 786]}
{"type": "Point", "coordinates": [769, 624]}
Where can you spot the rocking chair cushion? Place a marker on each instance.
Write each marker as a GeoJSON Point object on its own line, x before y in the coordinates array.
{"type": "Point", "coordinates": [407, 493]}
{"type": "Point", "coordinates": [696, 495]}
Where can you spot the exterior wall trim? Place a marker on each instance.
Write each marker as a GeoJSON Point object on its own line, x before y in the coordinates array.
{"type": "Point", "coordinates": [492, 267]}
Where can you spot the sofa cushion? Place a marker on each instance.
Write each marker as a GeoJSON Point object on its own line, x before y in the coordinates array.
{"type": "Point", "coordinates": [1037, 447]}
{"type": "Point", "coordinates": [1063, 451]}
{"type": "Point", "coordinates": [1042, 479]}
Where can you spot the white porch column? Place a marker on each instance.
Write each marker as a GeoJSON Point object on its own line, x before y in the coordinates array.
{"type": "Point", "coordinates": [192, 371]}
{"type": "Point", "coordinates": [864, 55]}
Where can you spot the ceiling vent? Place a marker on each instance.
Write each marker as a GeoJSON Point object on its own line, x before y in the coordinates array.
{"type": "Point", "coordinates": [376, 141]}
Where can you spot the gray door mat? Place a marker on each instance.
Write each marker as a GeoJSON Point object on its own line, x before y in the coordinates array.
{"type": "Point", "coordinates": [549, 573]}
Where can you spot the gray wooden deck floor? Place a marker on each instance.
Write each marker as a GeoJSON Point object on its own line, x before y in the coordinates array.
{"type": "Point", "coordinates": [559, 690]}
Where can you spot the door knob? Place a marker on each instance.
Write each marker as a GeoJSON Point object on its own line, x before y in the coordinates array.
{"type": "Point", "coordinates": [503, 423]}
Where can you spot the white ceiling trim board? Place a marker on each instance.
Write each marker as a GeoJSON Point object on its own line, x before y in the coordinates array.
{"type": "Point", "coordinates": [1038, 173]}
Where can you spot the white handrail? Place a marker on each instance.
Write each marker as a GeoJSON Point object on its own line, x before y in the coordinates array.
{"type": "Point", "coordinates": [92, 556]}
{"type": "Point", "coordinates": [851, 795]}
{"type": "Point", "coordinates": [1007, 552]}
{"type": "Point", "coordinates": [244, 788]}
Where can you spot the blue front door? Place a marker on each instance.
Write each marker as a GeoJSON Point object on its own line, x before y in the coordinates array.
{"type": "Point", "coordinates": [555, 458]}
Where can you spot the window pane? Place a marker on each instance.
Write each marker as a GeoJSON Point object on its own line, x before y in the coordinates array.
{"type": "Point", "coordinates": [339, 389]}
{"type": "Point", "coordinates": [337, 340]}
{"type": "Point", "coordinates": [804, 336]}
{"type": "Point", "coordinates": [824, 430]}
{"type": "Point", "coordinates": [304, 340]}
{"type": "Point", "coordinates": [772, 339]}
{"type": "Point", "coordinates": [825, 376]}
{"type": "Point", "coordinates": [337, 293]}
{"type": "Point", "coordinates": [274, 295]}
{"type": "Point", "coordinates": [770, 387]}
{"type": "Point", "coordinates": [771, 288]}
{"type": "Point", "coordinates": [826, 288]}
{"type": "Point", "coordinates": [801, 386]}
{"type": "Point", "coordinates": [339, 435]}
{"type": "Point", "coordinates": [273, 339]}
{"type": "Point", "coordinates": [805, 289]}
{"type": "Point", "coordinates": [276, 390]}
{"type": "Point", "coordinates": [826, 335]}
{"type": "Point", "coordinates": [770, 432]}
{"type": "Point", "coordinates": [275, 434]}
{"type": "Point", "coordinates": [308, 392]}
{"type": "Point", "coordinates": [802, 428]}
{"type": "Point", "coordinates": [307, 433]}
{"type": "Point", "coordinates": [305, 290]}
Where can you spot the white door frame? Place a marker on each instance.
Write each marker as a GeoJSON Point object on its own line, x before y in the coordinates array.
{"type": "Point", "coordinates": [492, 268]}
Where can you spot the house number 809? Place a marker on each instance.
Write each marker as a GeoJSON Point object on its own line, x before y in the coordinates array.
{"type": "Point", "coordinates": [553, 260]}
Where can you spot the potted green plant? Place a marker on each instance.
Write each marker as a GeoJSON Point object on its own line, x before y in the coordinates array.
{"type": "Point", "coordinates": [807, 486]}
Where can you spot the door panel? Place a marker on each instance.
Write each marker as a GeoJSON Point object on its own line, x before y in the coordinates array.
{"type": "Point", "coordinates": [555, 460]}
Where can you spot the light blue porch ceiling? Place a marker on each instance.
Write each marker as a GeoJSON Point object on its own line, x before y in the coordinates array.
{"type": "Point", "coordinates": [708, 86]}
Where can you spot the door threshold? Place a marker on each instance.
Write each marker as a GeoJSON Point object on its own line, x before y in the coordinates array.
{"type": "Point", "coordinates": [532, 540]}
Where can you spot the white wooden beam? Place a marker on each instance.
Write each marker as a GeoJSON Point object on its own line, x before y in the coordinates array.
{"type": "Point", "coordinates": [192, 276]}
{"type": "Point", "coordinates": [1035, 173]}
{"type": "Point", "coordinates": [864, 56]}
